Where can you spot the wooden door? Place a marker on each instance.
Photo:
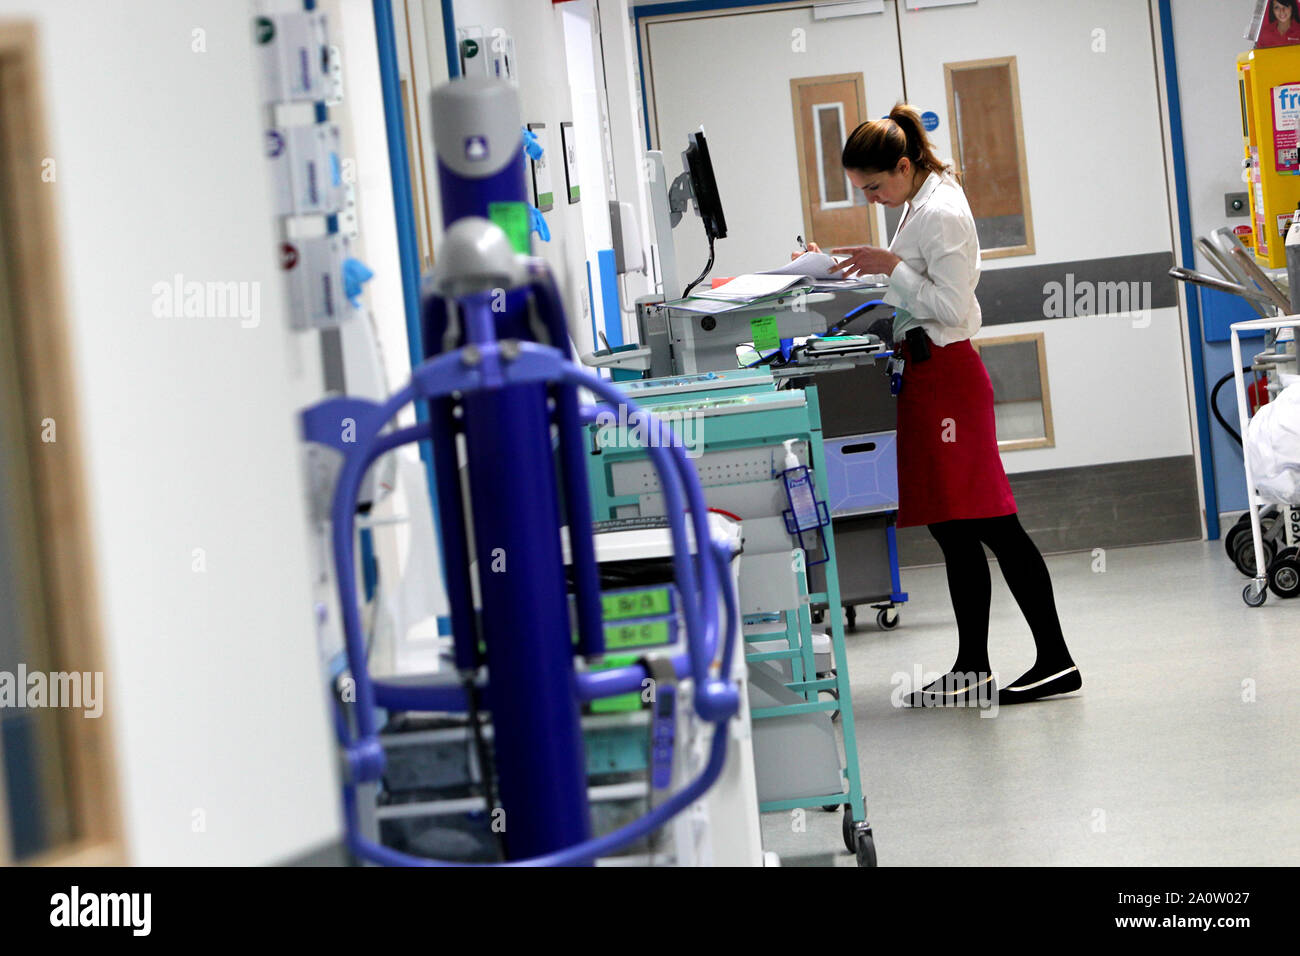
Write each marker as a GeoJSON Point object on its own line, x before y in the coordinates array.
{"type": "Point", "coordinates": [826, 110]}
{"type": "Point", "coordinates": [988, 148]}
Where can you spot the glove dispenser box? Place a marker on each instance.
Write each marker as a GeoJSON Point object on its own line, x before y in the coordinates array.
{"type": "Point", "coordinates": [314, 268]}
{"type": "Point", "coordinates": [305, 169]}
{"type": "Point", "coordinates": [294, 50]}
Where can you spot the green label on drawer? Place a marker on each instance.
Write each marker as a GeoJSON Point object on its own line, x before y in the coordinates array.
{"type": "Point", "coordinates": [622, 605]}
{"type": "Point", "coordinates": [636, 635]}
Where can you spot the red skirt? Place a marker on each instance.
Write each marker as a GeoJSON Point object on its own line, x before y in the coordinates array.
{"type": "Point", "coordinates": [948, 461]}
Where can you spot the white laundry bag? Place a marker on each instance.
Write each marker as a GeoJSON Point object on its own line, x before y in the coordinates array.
{"type": "Point", "coordinates": [1273, 444]}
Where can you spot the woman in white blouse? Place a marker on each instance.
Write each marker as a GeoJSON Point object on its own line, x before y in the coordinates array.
{"type": "Point", "coordinates": [950, 475]}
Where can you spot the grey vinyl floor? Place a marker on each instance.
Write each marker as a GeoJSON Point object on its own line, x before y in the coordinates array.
{"type": "Point", "coordinates": [1181, 749]}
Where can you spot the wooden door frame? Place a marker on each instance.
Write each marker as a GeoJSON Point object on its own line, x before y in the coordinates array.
{"type": "Point", "coordinates": [1027, 249]}
{"type": "Point", "coordinates": [796, 84]}
{"type": "Point", "coordinates": [412, 102]}
{"type": "Point", "coordinates": [46, 380]}
{"type": "Point", "coordinates": [1048, 438]}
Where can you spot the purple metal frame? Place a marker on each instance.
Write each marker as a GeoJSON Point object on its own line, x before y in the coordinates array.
{"type": "Point", "coordinates": [516, 373]}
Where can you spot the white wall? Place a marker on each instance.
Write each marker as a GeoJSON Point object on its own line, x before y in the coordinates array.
{"type": "Point", "coordinates": [190, 435]}
{"type": "Point", "coordinates": [368, 146]}
{"type": "Point", "coordinates": [1207, 40]}
{"type": "Point", "coordinates": [587, 91]}
{"type": "Point", "coordinates": [363, 114]}
{"type": "Point", "coordinates": [627, 137]}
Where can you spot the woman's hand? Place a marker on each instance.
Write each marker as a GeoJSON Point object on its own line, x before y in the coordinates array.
{"type": "Point", "coordinates": [811, 247]}
{"type": "Point", "coordinates": [865, 260]}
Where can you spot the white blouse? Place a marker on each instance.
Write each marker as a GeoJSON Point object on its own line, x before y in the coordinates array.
{"type": "Point", "coordinates": [934, 286]}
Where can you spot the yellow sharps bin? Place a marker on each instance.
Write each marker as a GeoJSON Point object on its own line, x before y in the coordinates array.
{"type": "Point", "coordinates": [1269, 83]}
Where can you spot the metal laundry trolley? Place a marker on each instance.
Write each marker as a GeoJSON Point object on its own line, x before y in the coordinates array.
{"type": "Point", "coordinates": [1282, 573]}
{"type": "Point", "coordinates": [1240, 275]}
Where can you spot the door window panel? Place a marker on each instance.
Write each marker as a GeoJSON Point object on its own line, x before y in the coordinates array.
{"type": "Point", "coordinates": [1022, 403]}
{"type": "Point", "coordinates": [989, 152]}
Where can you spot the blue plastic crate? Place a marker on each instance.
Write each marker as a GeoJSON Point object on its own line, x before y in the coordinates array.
{"type": "Point", "coordinates": [862, 473]}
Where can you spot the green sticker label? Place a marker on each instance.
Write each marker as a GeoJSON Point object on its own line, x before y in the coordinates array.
{"type": "Point", "coordinates": [471, 49]}
{"type": "Point", "coordinates": [765, 332]}
{"type": "Point", "coordinates": [649, 634]}
{"type": "Point", "coordinates": [512, 217]}
{"type": "Point", "coordinates": [625, 604]}
{"type": "Point", "coordinates": [265, 29]}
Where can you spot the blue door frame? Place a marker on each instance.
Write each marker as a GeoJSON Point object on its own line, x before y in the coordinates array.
{"type": "Point", "coordinates": [1196, 345]}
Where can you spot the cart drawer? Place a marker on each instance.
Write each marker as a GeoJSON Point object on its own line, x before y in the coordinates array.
{"type": "Point", "coordinates": [862, 556]}
{"type": "Point", "coordinates": [862, 473]}
{"type": "Point", "coordinates": [855, 401]}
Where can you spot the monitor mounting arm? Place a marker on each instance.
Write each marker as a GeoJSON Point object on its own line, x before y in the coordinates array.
{"type": "Point", "coordinates": [680, 195]}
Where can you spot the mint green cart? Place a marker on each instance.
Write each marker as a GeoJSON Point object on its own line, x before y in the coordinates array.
{"type": "Point", "coordinates": [738, 426]}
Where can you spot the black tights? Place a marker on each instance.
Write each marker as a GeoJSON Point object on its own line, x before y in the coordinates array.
{"type": "Point", "coordinates": [969, 584]}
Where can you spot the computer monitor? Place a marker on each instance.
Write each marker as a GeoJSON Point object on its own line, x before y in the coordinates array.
{"type": "Point", "coordinates": [704, 186]}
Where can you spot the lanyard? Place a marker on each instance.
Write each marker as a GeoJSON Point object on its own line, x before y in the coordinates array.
{"type": "Point", "coordinates": [895, 369]}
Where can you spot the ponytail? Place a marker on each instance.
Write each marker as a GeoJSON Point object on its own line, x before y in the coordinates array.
{"type": "Point", "coordinates": [877, 146]}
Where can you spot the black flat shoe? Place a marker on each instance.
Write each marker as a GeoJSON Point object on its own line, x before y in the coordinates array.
{"type": "Point", "coordinates": [956, 689]}
{"type": "Point", "coordinates": [1062, 682]}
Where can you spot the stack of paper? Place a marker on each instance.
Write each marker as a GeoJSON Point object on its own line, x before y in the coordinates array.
{"type": "Point", "coordinates": [812, 270]}
{"type": "Point", "coordinates": [817, 267]}
{"type": "Point", "coordinates": [814, 265]}
{"type": "Point", "coordinates": [755, 285]}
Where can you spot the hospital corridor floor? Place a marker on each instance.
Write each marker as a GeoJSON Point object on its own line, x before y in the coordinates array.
{"type": "Point", "coordinates": [1179, 750]}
